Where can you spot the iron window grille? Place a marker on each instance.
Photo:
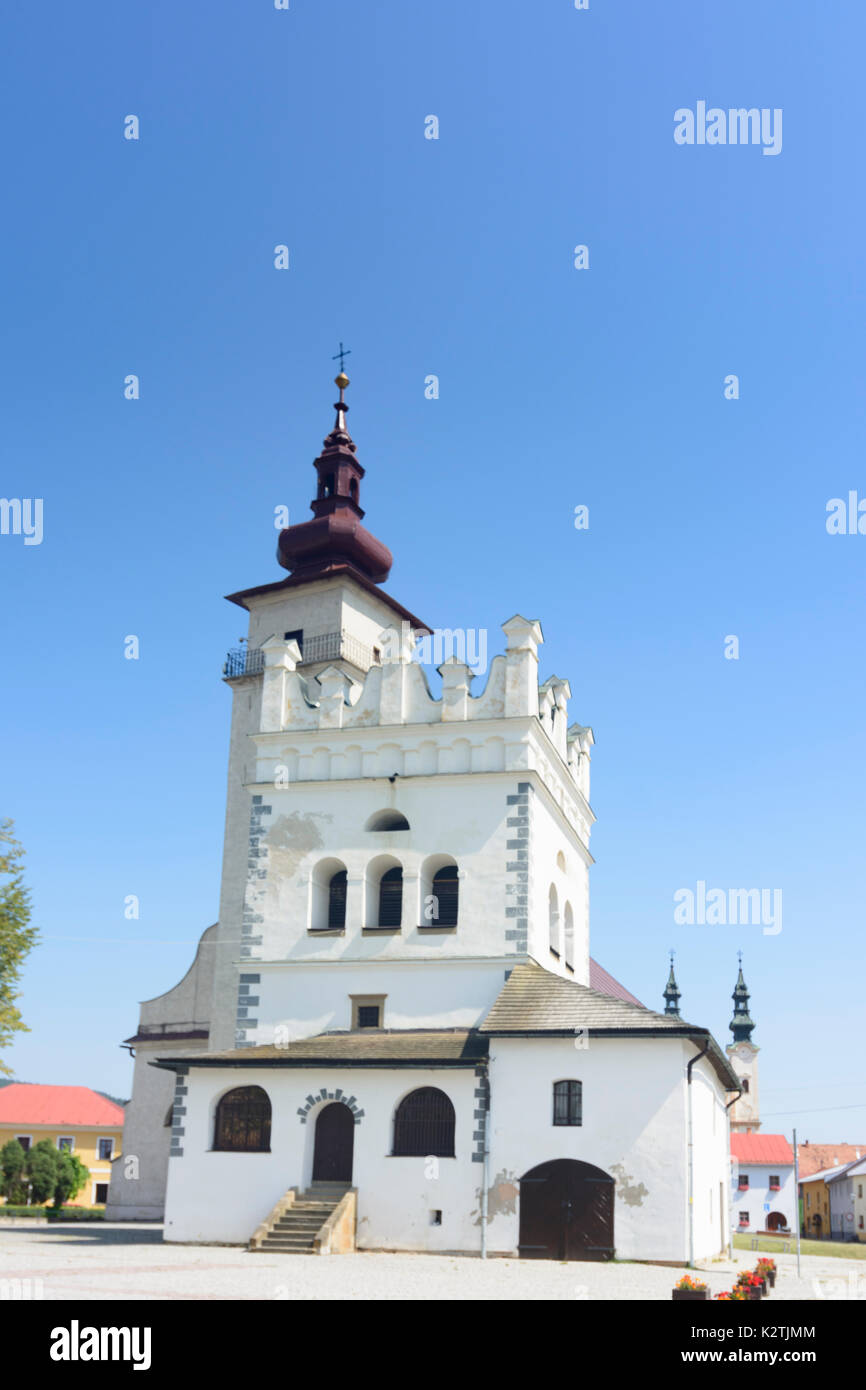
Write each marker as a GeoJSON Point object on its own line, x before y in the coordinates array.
{"type": "Point", "coordinates": [424, 1125]}
{"type": "Point", "coordinates": [568, 1103]}
{"type": "Point", "coordinates": [368, 1015]}
{"type": "Point", "coordinates": [243, 1121]}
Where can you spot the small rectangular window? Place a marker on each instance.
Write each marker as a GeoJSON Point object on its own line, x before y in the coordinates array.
{"type": "Point", "coordinates": [436, 1218]}
{"type": "Point", "coordinates": [296, 635]}
{"type": "Point", "coordinates": [105, 1149]}
{"type": "Point", "coordinates": [368, 1010]}
{"type": "Point", "coordinates": [774, 1182]}
{"type": "Point", "coordinates": [743, 1182]}
{"type": "Point", "coordinates": [567, 1103]}
{"type": "Point", "coordinates": [744, 1218]}
{"type": "Point", "coordinates": [66, 1143]}
{"type": "Point", "coordinates": [25, 1141]}
{"type": "Point", "coordinates": [100, 1196]}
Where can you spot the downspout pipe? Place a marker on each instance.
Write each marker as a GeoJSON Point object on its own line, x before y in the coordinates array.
{"type": "Point", "coordinates": [739, 1092]}
{"type": "Point", "coordinates": [695, 1059]}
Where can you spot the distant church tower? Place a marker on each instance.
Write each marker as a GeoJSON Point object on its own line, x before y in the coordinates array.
{"type": "Point", "coordinates": [745, 1114]}
{"type": "Point", "coordinates": [672, 993]}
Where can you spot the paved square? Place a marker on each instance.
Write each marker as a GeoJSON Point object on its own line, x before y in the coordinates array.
{"type": "Point", "coordinates": [127, 1261]}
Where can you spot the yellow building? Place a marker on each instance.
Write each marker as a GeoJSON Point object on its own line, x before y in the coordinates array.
{"type": "Point", "coordinates": [71, 1117]}
{"type": "Point", "coordinates": [816, 1204]}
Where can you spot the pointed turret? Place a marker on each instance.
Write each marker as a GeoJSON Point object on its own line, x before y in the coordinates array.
{"type": "Point", "coordinates": [672, 993]}
{"type": "Point", "coordinates": [335, 539]}
{"type": "Point", "coordinates": [741, 1024]}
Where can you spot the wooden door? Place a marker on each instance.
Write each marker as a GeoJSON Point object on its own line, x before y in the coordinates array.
{"type": "Point", "coordinates": [335, 1142]}
{"type": "Point", "coordinates": [566, 1212]}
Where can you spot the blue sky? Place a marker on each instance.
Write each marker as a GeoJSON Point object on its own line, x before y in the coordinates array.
{"type": "Point", "coordinates": [558, 388]}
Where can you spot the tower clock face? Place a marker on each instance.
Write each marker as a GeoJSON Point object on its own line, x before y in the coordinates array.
{"type": "Point", "coordinates": [745, 1053]}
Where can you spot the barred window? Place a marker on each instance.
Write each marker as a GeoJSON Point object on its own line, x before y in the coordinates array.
{"type": "Point", "coordinates": [243, 1121]}
{"type": "Point", "coordinates": [424, 1124]}
{"type": "Point", "coordinates": [337, 900]}
{"type": "Point", "coordinates": [568, 1103]}
{"type": "Point", "coordinates": [445, 891]}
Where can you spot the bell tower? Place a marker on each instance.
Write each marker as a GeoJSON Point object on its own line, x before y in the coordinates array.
{"type": "Point", "coordinates": [745, 1112]}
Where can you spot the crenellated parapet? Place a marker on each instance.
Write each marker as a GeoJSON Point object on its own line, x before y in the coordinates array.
{"type": "Point", "coordinates": [395, 694]}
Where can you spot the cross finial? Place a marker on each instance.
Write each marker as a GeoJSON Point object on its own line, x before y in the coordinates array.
{"type": "Point", "coordinates": [740, 957]}
{"type": "Point", "coordinates": [344, 352]}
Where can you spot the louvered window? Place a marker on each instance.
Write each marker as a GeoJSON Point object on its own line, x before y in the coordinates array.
{"type": "Point", "coordinates": [445, 891]}
{"type": "Point", "coordinates": [391, 898]}
{"type": "Point", "coordinates": [337, 900]}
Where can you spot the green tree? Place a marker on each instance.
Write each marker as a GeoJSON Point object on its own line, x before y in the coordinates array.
{"type": "Point", "coordinates": [41, 1167]}
{"type": "Point", "coordinates": [72, 1175]}
{"type": "Point", "coordinates": [12, 1184]}
{"type": "Point", "coordinates": [17, 937]}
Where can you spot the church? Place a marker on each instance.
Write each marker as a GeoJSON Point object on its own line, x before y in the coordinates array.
{"type": "Point", "coordinates": [395, 1038]}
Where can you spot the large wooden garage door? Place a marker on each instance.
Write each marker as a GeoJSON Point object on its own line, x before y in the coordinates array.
{"type": "Point", "coordinates": [566, 1212]}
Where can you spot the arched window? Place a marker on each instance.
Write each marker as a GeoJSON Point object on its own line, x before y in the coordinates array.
{"type": "Point", "coordinates": [568, 1102]}
{"type": "Point", "coordinates": [391, 898]}
{"type": "Point", "coordinates": [337, 901]}
{"type": "Point", "coordinates": [328, 895]}
{"type": "Point", "coordinates": [445, 893]}
{"type": "Point", "coordinates": [387, 820]}
{"type": "Point", "coordinates": [328, 486]}
{"type": "Point", "coordinates": [353, 489]}
{"type": "Point", "coordinates": [745, 1081]}
{"type": "Point", "coordinates": [553, 916]}
{"type": "Point", "coordinates": [569, 936]}
{"type": "Point", "coordinates": [243, 1121]}
{"type": "Point", "coordinates": [424, 1124]}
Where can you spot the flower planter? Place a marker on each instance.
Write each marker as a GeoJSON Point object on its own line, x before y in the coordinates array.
{"type": "Point", "coordinates": [681, 1295]}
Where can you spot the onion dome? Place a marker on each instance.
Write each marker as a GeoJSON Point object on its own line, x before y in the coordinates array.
{"type": "Point", "coordinates": [335, 539]}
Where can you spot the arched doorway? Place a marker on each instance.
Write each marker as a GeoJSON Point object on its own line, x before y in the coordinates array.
{"type": "Point", "coordinates": [566, 1212]}
{"type": "Point", "coordinates": [334, 1146]}
{"type": "Point", "coordinates": [777, 1221]}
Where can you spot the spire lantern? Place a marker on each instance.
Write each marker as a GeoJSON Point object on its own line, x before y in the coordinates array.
{"type": "Point", "coordinates": [672, 993]}
{"type": "Point", "coordinates": [741, 1024]}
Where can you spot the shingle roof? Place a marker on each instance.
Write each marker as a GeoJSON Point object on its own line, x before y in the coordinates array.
{"type": "Point", "coordinates": [534, 1001]}
{"type": "Point", "coordinates": [458, 1047]}
{"type": "Point", "coordinates": [23, 1103]}
{"type": "Point", "coordinates": [761, 1148]}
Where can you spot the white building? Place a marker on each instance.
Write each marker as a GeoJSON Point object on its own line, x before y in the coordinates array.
{"type": "Point", "coordinates": [845, 1190]}
{"type": "Point", "coordinates": [763, 1190]}
{"type": "Point", "coordinates": [405, 1033]}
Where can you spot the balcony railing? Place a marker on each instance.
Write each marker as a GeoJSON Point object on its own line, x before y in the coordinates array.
{"type": "Point", "coordinates": [325, 646]}
{"type": "Point", "coordinates": [244, 661]}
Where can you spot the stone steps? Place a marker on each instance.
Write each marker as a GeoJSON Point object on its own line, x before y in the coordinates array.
{"type": "Point", "coordinates": [296, 1230]}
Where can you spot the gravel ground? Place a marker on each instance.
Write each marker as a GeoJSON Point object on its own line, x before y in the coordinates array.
{"type": "Point", "coordinates": [129, 1261]}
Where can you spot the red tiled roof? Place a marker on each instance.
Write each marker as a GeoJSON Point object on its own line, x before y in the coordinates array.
{"type": "Point", "coordinates": [606, 984]}
{"type": "Point", "coordinates": [814, 1158]}
{"type": "Point", "coordinates": [761, 1148]}
{"type": "Point", "coordinates": [25, 1104]}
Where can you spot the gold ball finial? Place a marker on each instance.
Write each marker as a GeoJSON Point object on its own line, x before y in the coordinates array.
{"type": "Point", "coordinates": [341, 380]}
